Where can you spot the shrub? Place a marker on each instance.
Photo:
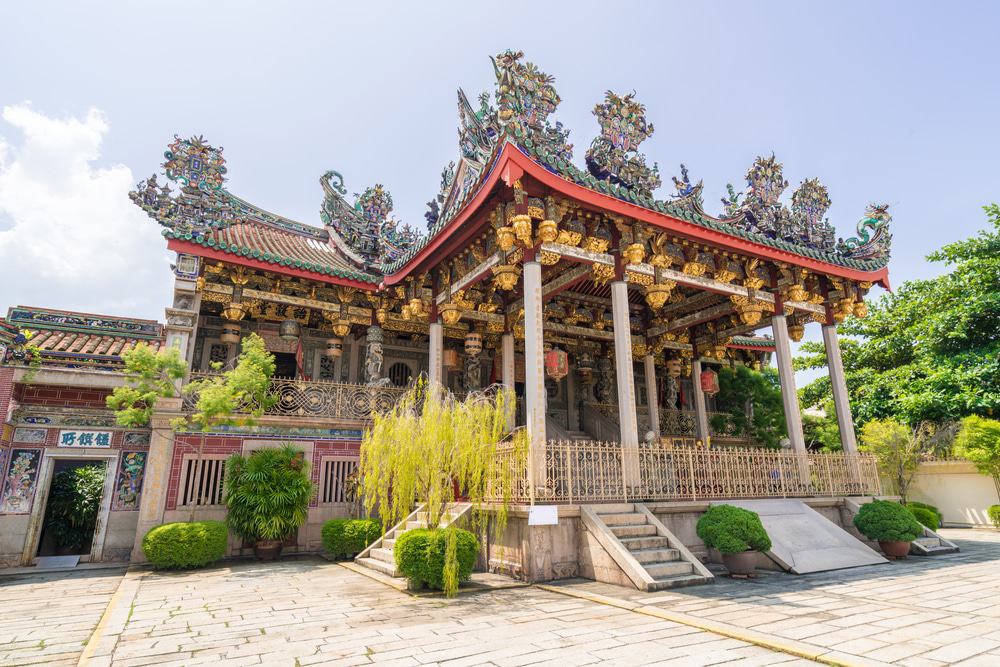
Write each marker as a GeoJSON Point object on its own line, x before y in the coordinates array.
{"type": "Point", "coordinates": [422, 555]}
{"type": "Point", "coordinates": [267, 493]}
{"type": "Point", "coordinates": [344, 538]}
{"type": "Point", "coordinates": [932, 508]}
{"type": "Point", "coordinates": [732, 530]}
{"type": "Point", "coordinates": [994, 512]}
{"type": "Point", "coordinates": [184, 545]}
{"type": "Point", "coordinates": [924, 516]}
{"type": "Point", "coordinates": [887, 521]}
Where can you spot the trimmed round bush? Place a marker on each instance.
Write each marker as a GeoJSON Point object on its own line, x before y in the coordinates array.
{"type": "Point", "coordinates": [887, 521]}
{"type": "Point", "coordinates": [994, 513]}
{"type": "Point", "coordinates": [421, 554]}
{"type": "Point", "coordinates": [924, 516]}
{"type": "Point", "coordinates": [732, 530]}
{"type": "Point", "coordinates": [185, 545]}
{"type": "Point", "coordinates": [345, 538]}
{"type": "Point", "coordinates": [932, 508]}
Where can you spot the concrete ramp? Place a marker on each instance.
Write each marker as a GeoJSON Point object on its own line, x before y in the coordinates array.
{"type": "Point", "coordinates": [804, 541]}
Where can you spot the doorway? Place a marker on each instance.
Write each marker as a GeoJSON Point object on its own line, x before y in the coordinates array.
{"type": "Point", "coordinates": [72, 507]}
{"type": "Point", "coordinates": [285, 365]}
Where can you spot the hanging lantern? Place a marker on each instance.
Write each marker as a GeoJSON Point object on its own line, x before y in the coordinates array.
{"type": "Point", "coordinates": [289, 330]}
{"type": "Point", "coordinates": [674, 368]}
{"type": "Point", "coordinates": [450, 313]}
{"type": "Point", "coordinates": [234, 312]}
{"type": "Point", "coordinates": [473, 343]}
{"type": "Point", "coordinates": [796, 331]}
{"type": "Point", "coordinates": [585, 366]}
{"type": "Point", "coordinates": [556, 364]}
{"type": "Point", "coordinates": [334, 347]}
{"type": "Point", "coordinates": [230, 333]}
{"type": "Point", "coordinates": [710, 382]}
{"type": "Point", "coordinates": [450, 358]}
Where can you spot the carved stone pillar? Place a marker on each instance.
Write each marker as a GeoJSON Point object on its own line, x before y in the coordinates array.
{"type": "Point", "coordinates": [700, 411]}
{"type": "Point", "coordinates": [373, 355]}
{"type": "Point", "coordinates": [436, 354]}
{"type": "Point", "coordinates": [472, 378]}
{"type": "Point", "coordinates": [649, 365]}
{"type": "Point", "coordinates": [626, 382]}
{"type": "Point", "coordinates": [508, 374]}
{"type": "Point", "coordinates": [786, 374]}
{"type": "Point", "coordinates": [841, 402]}
{"type": "Point", "coordinates": [157, 475]}
{"type": "Point", "coordinates": [182, 315]}
{"type": "Point", "coordinates": [534, 375]}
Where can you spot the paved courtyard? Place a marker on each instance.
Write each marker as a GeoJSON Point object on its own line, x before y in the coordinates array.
{"type": "Point", "coordinates": [303, 612]}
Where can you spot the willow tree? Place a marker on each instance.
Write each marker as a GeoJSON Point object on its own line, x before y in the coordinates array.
{"type": "Point", "coordinates": [430, 444]}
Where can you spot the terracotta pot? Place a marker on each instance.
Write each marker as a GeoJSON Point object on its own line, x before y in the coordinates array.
{"type": "Point", "coordinates": [742, 563]}
{"type": "Point", "coordinates": [267, 549]}
{"type": "Point", "coordinates": [895, 549]}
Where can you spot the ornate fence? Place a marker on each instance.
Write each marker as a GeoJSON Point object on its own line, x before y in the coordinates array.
{"type": "Point", "coordinates": [583, 472]}
{"type": "Point", "coordinates": [323, 400]}
{"type": "Point", "coordinates": [677, 424]}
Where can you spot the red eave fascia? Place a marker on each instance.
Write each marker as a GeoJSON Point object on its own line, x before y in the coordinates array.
{"type": "Point", "coordinates": [211, 253]}
{"type": "Point", "coordinates": [510, 154]}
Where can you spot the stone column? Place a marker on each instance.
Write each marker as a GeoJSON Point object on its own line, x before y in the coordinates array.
{"type": "Point", "coordinates": [841, 403]}
{"type": "Point", "coordinates": [789, 396]}
{"type": "Point", "coordinates": [652, 399]}
{"type": "Point", "coordinates": [436, 354]}
{"type": "Point", "coordinates": [534, 375]}
{"type": "Point", "coordinates": [374, 355]}
{"type": "Point", "coordinates": [157, 474]}
{"type": "Point", "coordinates": [508, 375]}
{"type": "Point", "coordinates": [700, 412]}
{"type": "Point", "coordinates": [626, 382]}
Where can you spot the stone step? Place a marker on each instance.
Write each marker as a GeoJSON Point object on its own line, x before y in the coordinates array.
{"type": "Point", "coordinates": [632, 519]}
{"type": "Point", "coordinates": [613, 508]}
{"type": "Point", "coordinates": [677, 582]}
{"type": "Point", "coordinates": [656, 555]}
{"type": "Point", "coordinates": [380, 566]}
{"type": "Point", "coordinates": [389, 543]}
{"type": "Point", "coordinates": [928, 542]}
{"type": "Point", "coordinates": [410, 525]}
{"type": "Point", "coordinates": [638, 543]}
{"type": "Point", "coordinates": [644, 530]}
{"type": "Point", "coordinates": [671, 569]}
{"type": "Point", "coordinates": [384, 555]}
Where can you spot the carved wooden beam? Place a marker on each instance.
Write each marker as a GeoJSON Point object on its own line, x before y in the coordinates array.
{"type": "Point", "coordinates": [562, 282]}
{"type": "Point", "coordinates": [688, 321]}
{"type": "Point", "coordinates": [472, 277]}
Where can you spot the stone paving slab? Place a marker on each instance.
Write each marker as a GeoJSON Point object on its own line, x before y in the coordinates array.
{"type": "Point", "coordinates": [924, 611]}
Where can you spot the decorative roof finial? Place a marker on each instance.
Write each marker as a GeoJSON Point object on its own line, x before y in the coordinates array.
{"type": "Point", "coordinates": [873, 239]}
{"type": "Point", "coordinates": [614, 155]}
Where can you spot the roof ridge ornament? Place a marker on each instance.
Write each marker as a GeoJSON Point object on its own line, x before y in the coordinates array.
{"type": "Point", "coordinates": [874, 239]}
{"type": "Point", "coordinates": [614, 155]}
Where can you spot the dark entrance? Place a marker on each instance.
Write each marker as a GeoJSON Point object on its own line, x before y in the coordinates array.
{"type": "Point", "coordinates": [74, 501]}
{"type": "Point", "coordinates": [284, 365]}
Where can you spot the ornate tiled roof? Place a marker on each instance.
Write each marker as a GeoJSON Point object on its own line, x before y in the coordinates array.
{"type": "Point", "coordinates": [79, 339]}
{"type": "Point", "coordinates": [753, 341]}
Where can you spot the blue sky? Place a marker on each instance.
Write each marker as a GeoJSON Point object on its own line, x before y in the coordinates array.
{"type": "Point", "coordinates": [894, 102]}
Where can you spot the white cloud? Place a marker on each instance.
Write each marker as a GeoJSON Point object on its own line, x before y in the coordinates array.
{"type": "Point", "coordinates": [69, 235]}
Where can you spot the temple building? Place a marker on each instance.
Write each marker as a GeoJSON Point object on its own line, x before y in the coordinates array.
{"type": "Point", "coordinates": [605, 306]}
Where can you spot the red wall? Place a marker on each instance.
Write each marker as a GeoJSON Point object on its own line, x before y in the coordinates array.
{"type": "Point", "coordinates": [63, 397]}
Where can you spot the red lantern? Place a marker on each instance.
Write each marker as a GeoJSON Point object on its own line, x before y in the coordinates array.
{"type": "Point", "coordinates": [556, 364]}
{"type": "Point", "coordinates": [710, 382]}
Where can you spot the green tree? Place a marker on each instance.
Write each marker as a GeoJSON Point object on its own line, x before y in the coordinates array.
{"type": "Point", "coordinates": [979, 442]}
{"type": "Point", "coordinates": [821, 432]}
{"type": "Point", "coordinates": [149, 375]}
{"type": "Point", "coordinates": [929, 352]}
{"type": "Point", "coordinates": [751, 403]}
{"type": "Point", "coordinates": [899, 448]}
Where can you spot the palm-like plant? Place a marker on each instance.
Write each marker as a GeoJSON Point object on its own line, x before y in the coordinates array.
{"type": "Point", "coordinates": [267, 493]}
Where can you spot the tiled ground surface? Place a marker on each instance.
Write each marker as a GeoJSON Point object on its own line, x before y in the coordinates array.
{"type": "Point", "coordinates": [46, 618]}
{"type": "Point", "coordinates": [922, 612]}
{"type": "Point", "coordinates": [314, 612]}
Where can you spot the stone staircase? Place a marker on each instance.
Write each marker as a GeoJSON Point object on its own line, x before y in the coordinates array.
{"type": "Point", "coordinates": [380, 556]}
{"type": "Point", "coordinates": [932, 544]}
{"type": "Point", "coordinates": [649, 554]}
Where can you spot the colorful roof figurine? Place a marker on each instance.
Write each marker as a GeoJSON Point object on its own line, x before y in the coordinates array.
{"type": "Point", "coordinates": [369, 246]}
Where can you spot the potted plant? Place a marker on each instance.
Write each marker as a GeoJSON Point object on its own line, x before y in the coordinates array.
{"type": "Point", "coordinates": [267, 494]}
{"type": "Point", "coordinates": [890, 524]}
{"type": "Point", "coordinates": [737, 534]}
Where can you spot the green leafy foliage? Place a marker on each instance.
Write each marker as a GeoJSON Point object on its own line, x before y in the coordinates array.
{"type": "Point", "coordinates": [74, 500]}
{"type": "Point", "coordinates": [929, 352]}
{"type": "Point", "coordinates": [899, 448]}
{"type": "Point", "coordinates": [423, 555]}
{"type": "Point", "coordinates": [994, 514]}
{"type": "Point", "coordinates": [887, 521]}
{"type": "Point", "coordinates": [345, 538]}
{"type": "Point", "coordinates": [732, 530]}
{"type": "Point", "coordinates": [978, 441]}
{"type": "Point", "coordinates": [185, 545]}
{"type": "Point", "coordinates": [924, 516]}
{"type": "Point", "coordinates": [429, 442]}
{"type": "Point", "coordinates": [821, 433]}
{"type": "Point", "coordinates": [931, 508]}
{"type": "Point", "coordinates": [149, 375]}
{"type": "Point", "coordinates": [741, 387]}
{"type": "Point", "coordinates": [267, 493]}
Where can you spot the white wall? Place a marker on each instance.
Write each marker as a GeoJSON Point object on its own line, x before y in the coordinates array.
{"type": "Point", "coordinates": [955, 487]}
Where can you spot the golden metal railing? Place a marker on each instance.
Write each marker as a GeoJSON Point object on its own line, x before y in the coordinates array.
{"type": "Point", "coordinates": [582, 472]}
{"type": "Point", "coordinates": [325, 400]}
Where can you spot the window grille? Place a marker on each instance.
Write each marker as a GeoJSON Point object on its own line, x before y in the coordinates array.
{"type": "Point", "coordinates": [202, 485]}
{"type": "Point", "coordinates": [334, 477]}
{"type": "Point", "coordinates": [327, 369]}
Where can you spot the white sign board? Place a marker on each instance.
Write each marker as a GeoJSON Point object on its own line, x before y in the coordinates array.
{"type": "Point", "coordinates": [84, 438]}
{"type": "Point", "coordinates": [543, 515]}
